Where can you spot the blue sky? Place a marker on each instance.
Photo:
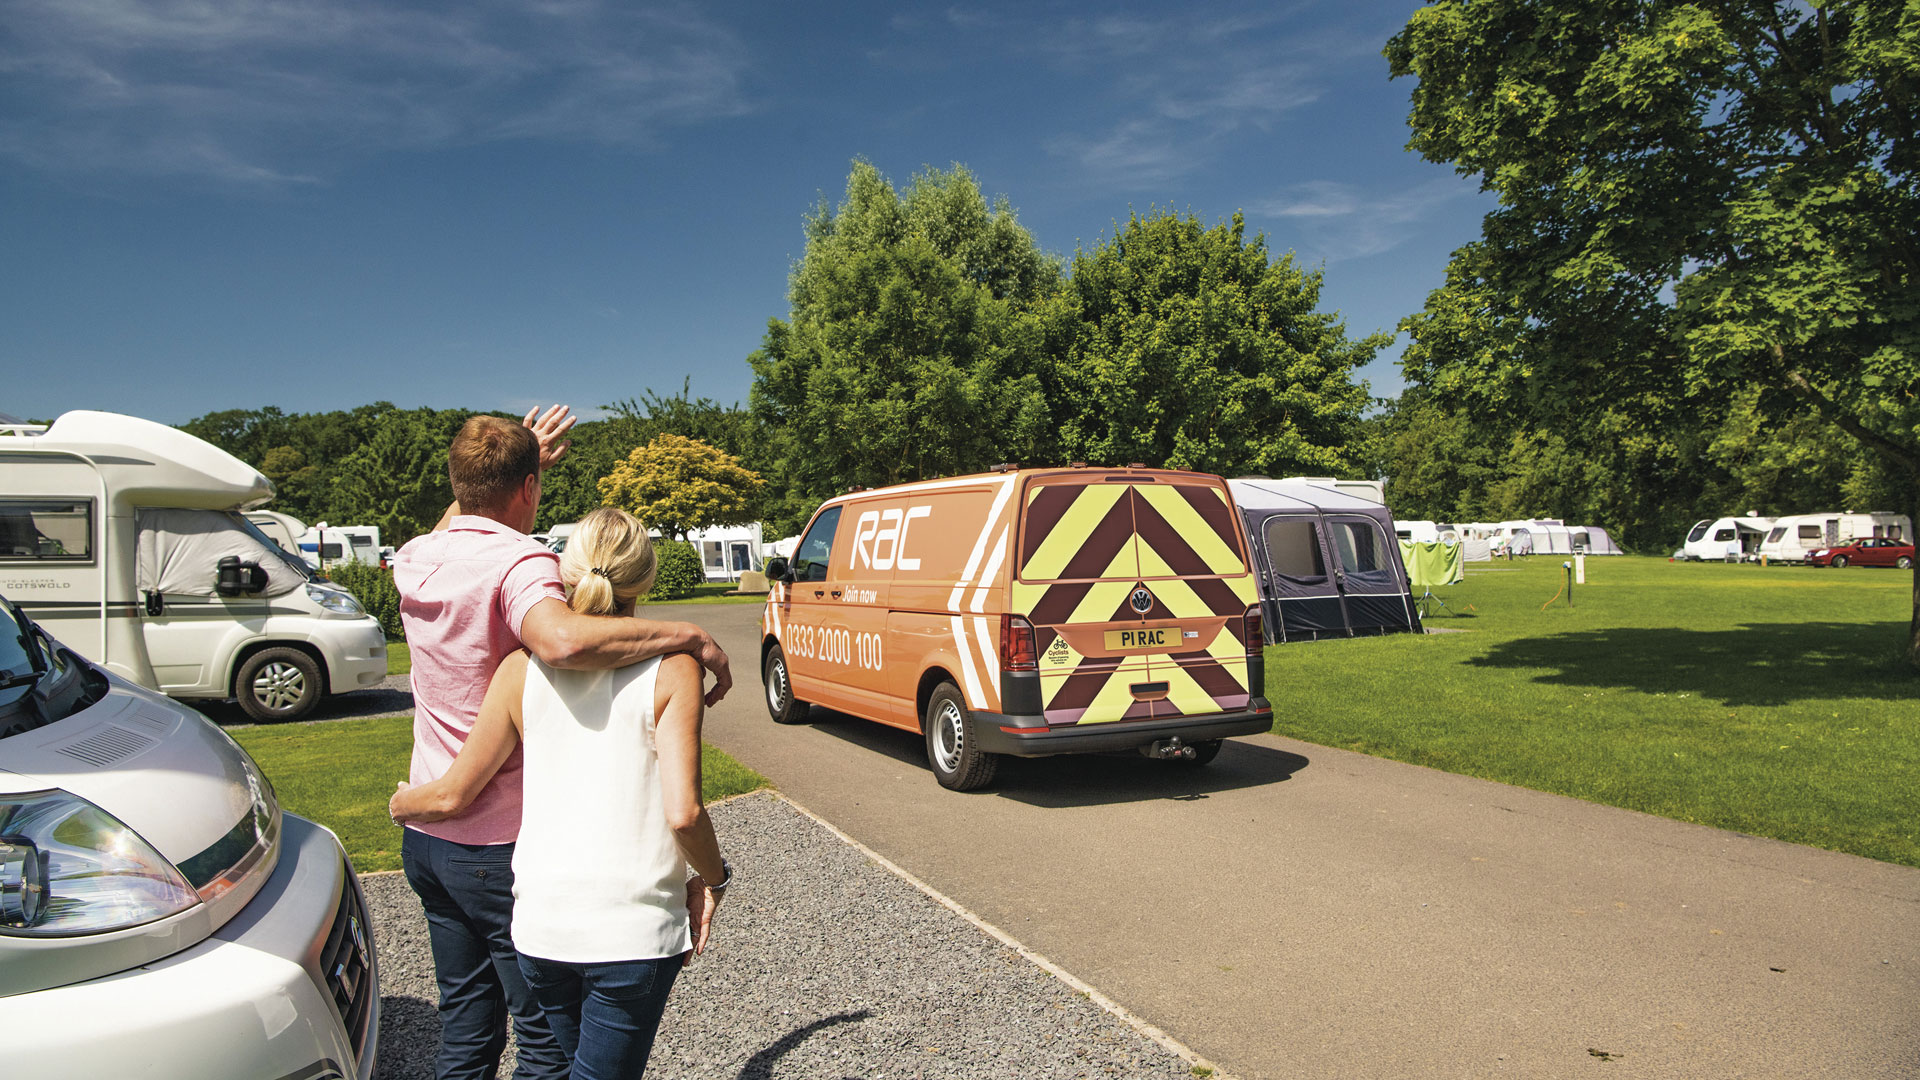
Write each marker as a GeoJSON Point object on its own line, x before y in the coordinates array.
{"type": "Point", "coordinates": [237, 203]}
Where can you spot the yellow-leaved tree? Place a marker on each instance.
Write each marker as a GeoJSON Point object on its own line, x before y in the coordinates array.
{"type": "Point", "coordinates": [676, 484]}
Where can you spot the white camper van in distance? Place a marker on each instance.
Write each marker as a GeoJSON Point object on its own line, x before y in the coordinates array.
{"type": "Point", "coordinates": [1796, 536]}
{"type": "Point", "coordinates": [127, 540]}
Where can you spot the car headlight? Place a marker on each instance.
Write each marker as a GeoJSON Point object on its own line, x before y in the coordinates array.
{"type": "Point", "coordinates": [68, 867]}
{"type": "Point", "coordinates": [338, 601]}
{"type": "Point", "coordinates": [1821, 551]}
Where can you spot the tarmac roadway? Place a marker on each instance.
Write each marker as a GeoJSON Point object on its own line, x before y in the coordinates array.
{"type": "Point", "coordinates": [1296, 911]}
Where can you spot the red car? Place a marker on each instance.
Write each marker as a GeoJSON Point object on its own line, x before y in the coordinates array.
{"type": "Point", "coordinates": [1867, 551]}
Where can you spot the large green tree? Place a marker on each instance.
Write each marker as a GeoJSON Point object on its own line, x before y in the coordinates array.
{"type": "Point", "coordinates": [917, 327]}
{"type": "Point", "coordinates": [1700, 204]}
{"type": "Point", "coordinates": [1192, 349]}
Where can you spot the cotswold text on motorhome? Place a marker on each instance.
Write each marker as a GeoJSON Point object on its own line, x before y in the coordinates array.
{"type": "Point", "coordinates": [128, 540]}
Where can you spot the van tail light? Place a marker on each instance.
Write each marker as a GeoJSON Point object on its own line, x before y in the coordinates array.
{"type": "Point", "coordinates": [1017, 649]}
{"type": "Point", "coordinates": [1256, 660]}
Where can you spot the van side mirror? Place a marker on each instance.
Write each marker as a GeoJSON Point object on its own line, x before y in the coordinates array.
{"type": "Point", "coordinates": [778, 570]}
{"type": "Point", "coordinates": [236, 578]}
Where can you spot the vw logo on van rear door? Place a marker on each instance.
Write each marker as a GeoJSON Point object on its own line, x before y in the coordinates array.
{"type": "Point", "coordinates": [1141, 600]}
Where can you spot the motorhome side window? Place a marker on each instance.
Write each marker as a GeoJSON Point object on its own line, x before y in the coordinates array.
{"type": "Point", "coordinates": [54, 530]}
{"type": "Point", "coordinates": [1722, 535]}
{"type": "Point", "coordinates": [1811, 532]}
{"type": "Point", "coordinates": [811, 558]}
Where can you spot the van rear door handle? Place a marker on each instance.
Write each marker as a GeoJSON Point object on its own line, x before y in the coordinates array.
{"type": "Point", "coordinates": [836, 592]}
{"type": "Point", "coordinates": [822, 592]}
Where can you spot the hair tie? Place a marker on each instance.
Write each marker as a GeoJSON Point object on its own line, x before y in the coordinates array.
{"type": "Point", "coordinates": [602, 573]}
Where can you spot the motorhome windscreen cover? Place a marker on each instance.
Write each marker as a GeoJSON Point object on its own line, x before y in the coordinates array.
{"type": "Point", "coordinates": [180, 552]}
{"type": "Point", "coordinates": [58, 530]}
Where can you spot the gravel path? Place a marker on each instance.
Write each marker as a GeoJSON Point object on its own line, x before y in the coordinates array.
{"type": "Point", "coordinates": [824, 964]}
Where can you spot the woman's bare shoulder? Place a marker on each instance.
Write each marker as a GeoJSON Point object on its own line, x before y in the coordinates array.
{"type": "Point", "coordinates": [512, 670]}
{"type": "Point", "coordinates": [679, 675]}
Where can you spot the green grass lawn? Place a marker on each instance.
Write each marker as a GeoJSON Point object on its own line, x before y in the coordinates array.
{"type": "Point", "coordinates": [1769, 700]}
{"type": "Point", "coordinates": [340, 773]}
{"type": "Point", "coordinates": [399, 660]}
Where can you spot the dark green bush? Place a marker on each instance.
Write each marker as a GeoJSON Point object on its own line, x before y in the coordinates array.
{"type": "Point", "coordinates": [679, 570]}
{"type": "Point", "coordinates": [374, 588]}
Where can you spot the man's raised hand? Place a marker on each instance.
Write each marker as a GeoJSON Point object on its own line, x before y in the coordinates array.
{"type": "Point", "coordinates": [548, 428]}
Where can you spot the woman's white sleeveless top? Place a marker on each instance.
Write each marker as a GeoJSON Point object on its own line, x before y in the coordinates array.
{"type": "Point", "coordinates": [597, 875]}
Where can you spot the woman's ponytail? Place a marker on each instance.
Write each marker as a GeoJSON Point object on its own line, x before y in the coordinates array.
{"type": "Point", "coordinates": [608, 562]}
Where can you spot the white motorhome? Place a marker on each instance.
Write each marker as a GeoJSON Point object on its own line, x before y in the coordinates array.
{"type": "Point", "coordinates": [128, 540]}
{"type": "Point", "coordinates": [324, 544]}
{"type": "Point", "coordinates": [159, 915]}
{"type": "Point", "coordinates": [1797, 536]}
{"type": "Point", "coordinates": [1708, 541]}
{"type": "Point", "coordinates": [284, 530]}
{"type": "Point", "coordinates": [727, 551]}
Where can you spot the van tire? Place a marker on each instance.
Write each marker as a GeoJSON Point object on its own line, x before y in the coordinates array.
{"type": "Point", "coordinates": [952, 750]}
{"type": "Point", "coordinates": [278, 684]}
{"type": "Point", "coordinates": [781, 704]}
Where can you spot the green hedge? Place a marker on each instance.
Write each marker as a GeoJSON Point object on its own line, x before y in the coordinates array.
{"type": "Point", "coordinates": [374, 588]}
{"type": "Point", "coordinates": [679, 570]}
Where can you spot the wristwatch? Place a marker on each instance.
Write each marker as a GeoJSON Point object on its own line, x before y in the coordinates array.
{"type": "Point", "coordinates": [726, 877]}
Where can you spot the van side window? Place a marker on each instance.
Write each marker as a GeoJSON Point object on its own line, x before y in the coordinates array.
{"type": "Point", "coordinates": [1811, 532]}
{"type": "Point", "coordinates": [811, 558]}
{"type": "Point", "coordinates": [1722, 535]}
{"type": "Point", "coordinates": [52, 530]}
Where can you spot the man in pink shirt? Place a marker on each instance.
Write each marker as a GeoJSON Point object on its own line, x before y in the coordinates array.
{"type": "Point", "coordinates": [472, 592]}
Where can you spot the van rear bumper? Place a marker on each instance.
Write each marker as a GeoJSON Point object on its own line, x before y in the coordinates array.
{"type": "Point", "coordinates": [992, 734]}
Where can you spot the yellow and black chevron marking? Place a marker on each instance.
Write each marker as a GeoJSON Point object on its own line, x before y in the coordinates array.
{"type": "Point", "coordinates": [1084, 549]}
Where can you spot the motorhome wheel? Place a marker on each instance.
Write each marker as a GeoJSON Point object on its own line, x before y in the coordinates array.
{"type": "Point", "coordinates": [278, 684]}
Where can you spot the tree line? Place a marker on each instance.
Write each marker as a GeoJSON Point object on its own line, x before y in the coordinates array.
{"type": "Point", "coordinates": [1696, 295]}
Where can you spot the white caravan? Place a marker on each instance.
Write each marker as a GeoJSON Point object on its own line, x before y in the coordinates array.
{"type": "Point", "coordinates": [1796, 536]}
{"type": "Point", "coordinates": [127, 540]}
{"type": "Point", "coordinates": [324, 544]}
{"type": "Point", "coordinates": [284, 530]}
{"type": "Point", "coordinates": [727, 551]}
{"type": "Point", "coordinates": [160, 916]}
{"type": "Point", "coordinates": [1707, 541]}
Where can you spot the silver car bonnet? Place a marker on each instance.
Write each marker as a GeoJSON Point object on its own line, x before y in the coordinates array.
{"type": "Point", "coordinates": [171, 776]}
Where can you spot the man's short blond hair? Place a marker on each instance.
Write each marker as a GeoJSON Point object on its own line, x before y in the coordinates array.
{"type": "Point", "coordinates": [489, 459]}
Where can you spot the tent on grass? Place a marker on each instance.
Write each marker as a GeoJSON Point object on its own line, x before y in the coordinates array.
{"type": "Point", "coordinates": [1328, 562]}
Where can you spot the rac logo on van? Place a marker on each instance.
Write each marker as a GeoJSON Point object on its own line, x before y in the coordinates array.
{"type": "Point", "coordinates": [878, 529]}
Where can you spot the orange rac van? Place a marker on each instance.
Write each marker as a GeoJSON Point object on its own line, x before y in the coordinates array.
{"type": "Point", "coordinates": [1025, 612]}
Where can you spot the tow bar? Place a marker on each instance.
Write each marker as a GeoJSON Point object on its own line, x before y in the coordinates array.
{"type": "Point", "coordinates": [1170, 748]}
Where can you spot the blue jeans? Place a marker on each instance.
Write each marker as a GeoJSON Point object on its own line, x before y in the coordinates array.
{"type": "Point", "coordinates": [467, 891]}
{"type": "Point", "coordinates": [604, 1014]}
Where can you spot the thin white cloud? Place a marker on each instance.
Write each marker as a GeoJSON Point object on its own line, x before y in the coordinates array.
{"type": "Point", "coordinates": [1330, 221]}
{"type": "Point", "coordinates": [275, 92]}
{"type": "Point", "coordinates": [1184, 87]}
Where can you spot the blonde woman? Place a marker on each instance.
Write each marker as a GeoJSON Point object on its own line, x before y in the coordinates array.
{"type": "Point", "coordinates": [604, 915]}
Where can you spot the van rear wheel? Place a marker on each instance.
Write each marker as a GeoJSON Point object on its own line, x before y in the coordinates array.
{"type": "Point", "coordinates": [958, 762]}
{"type": "Point", "coordinates": [781, 704]}
{"type": "Point", "coordinates": [278, 684]}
